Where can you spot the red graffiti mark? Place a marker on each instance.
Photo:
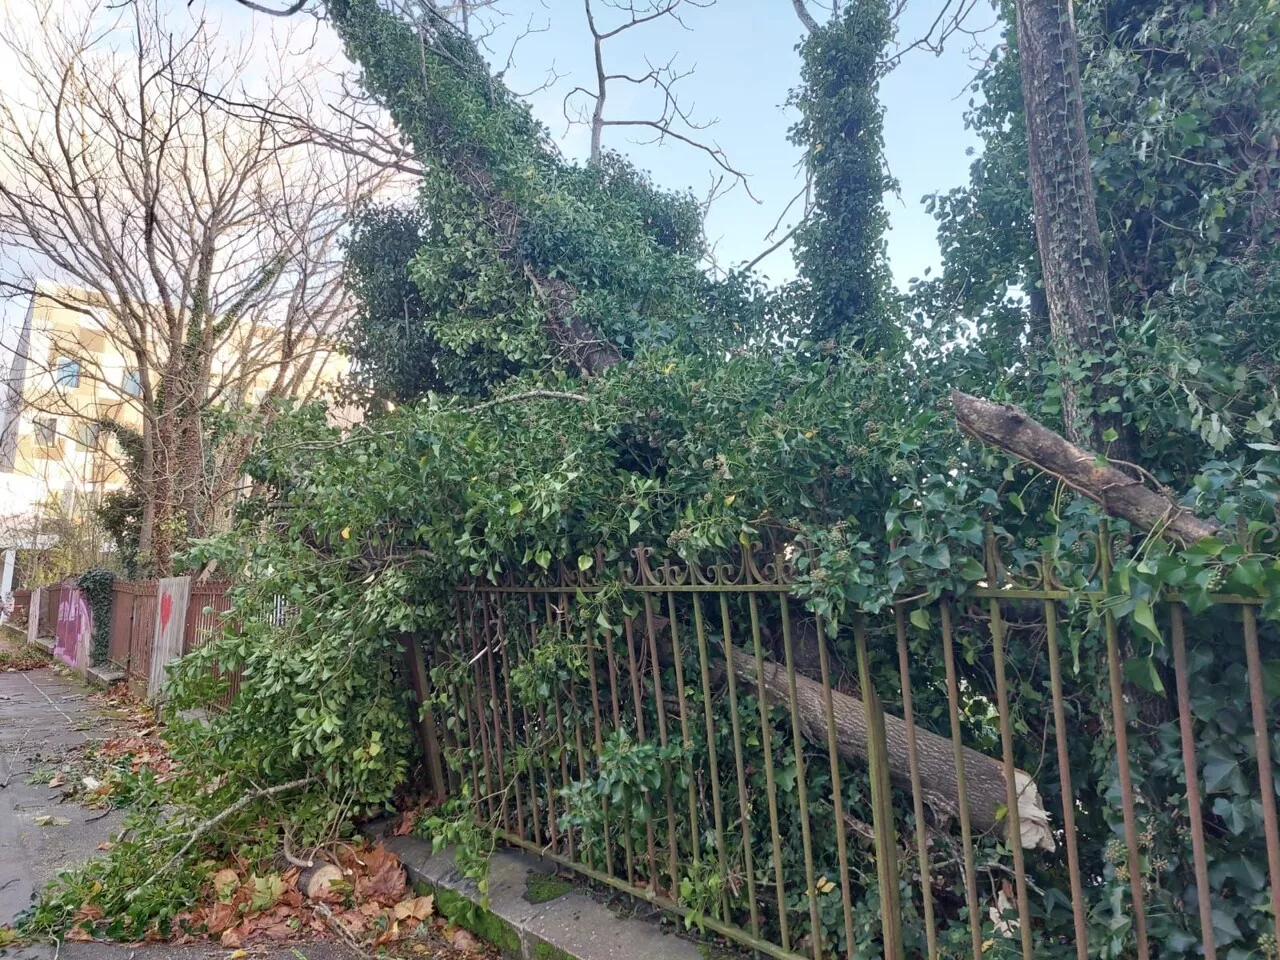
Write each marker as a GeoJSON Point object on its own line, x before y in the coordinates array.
{"type": "Point", "coordinates": [166, 609]}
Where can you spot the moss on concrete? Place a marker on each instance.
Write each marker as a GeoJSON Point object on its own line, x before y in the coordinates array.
{"type": "Point", "coordinates": [485, 924]}
{"type": "Point", "coordinates": [545, 951]}
{"type": "Point", "coordinates": [545, 887]}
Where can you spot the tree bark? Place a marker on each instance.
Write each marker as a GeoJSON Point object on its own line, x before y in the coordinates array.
{"type": "Point", "coordinates": [1066, 218]}
{"type": "Point", "coordinates": [1011, 430]}
{"type": "Point", "coordinates": [984, 775]}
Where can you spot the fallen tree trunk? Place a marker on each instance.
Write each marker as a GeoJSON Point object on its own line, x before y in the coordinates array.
{"type": "Point", "coordinates": [984, 776]}
{"type": "Point", "coordinates": [1009, 429]}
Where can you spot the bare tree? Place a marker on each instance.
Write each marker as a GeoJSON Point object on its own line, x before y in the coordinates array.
{"type": "Point", "coordinates": [951, 18]}
{"type": "Point", "coordinates": [196, 241]}
{"type": "Point", "coordinates": [672, 120]}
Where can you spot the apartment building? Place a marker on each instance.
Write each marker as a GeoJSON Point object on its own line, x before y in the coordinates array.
{"type": "Point", "coordinates": [62, 372]}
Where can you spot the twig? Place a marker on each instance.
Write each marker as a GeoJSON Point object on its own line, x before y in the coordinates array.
{"type": "Point", "coordinates": [288, 854]}
{"type": "Point", "coordinates": [212, 822]}
{"type": "Point", "coordinates": [528, 395]}
{"type": "Point", "coordinates": [98, 816]}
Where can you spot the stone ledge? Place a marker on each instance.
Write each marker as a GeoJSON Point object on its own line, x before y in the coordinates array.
{"type": "Point", "coordinates": [571, 926]}
{"type": "Point", "coordinates": [46, 644]}
{"type": "Point", "coordinates": [105, 675]}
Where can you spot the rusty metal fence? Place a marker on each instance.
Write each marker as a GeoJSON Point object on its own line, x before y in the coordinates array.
{"type": "Point", "coordinates": [984, 775]}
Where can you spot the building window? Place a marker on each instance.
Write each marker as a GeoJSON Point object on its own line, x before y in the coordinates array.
{"type": "Point", "coordinates": [66, 372]}
{"type": "Point", "coordinates": [87, 436]}
{"type": "Point", "coordinates": [132, 383]}
{"type": "Point", "coordinates": [46, 429]}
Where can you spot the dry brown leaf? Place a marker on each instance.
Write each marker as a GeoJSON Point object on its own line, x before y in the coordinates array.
{"type": "Point", "coordinates": [419, 908]}
{"type": "Point", "coordinates": [221, 917]}
{"type": "Point", "coordinates": [407, 823]}
{"type": "Point", "coordinates": [465, 941]}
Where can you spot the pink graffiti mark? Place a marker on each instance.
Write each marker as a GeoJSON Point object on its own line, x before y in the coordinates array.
{"type": "Point", "coordinates": [166, 611]}
{"type": "Point", "coordinates": [74, 628]}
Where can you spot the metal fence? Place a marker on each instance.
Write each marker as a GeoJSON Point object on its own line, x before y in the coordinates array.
{"type": "Point", "coordinates": [683, 734]}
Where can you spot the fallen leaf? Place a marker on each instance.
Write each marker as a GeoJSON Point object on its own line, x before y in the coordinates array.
{"type": "Point", "coordinates": [58, 780]}
{"type": "Point", "coordinates": [266, 891]}
{"type": "Point", "coordinates": [419, 908]}
{"type": "Point", "coordinates": [464, 940]}
{"type": "Point", "coordinates": [225, 882]}
{"type": "Point", "coordinates": [106, 845]}
{"type": "Point", "coordinates": [406, 824]}
{"type": "Point", "coordinates": [221, 917]}
{"type": "Point", "coordinates": [237, 954]}
{"type": "Point", "coordinates": [47, 820]}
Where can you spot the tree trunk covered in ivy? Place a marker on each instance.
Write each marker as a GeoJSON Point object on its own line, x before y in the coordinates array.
{"type": "Point", "coordinates": [839, 249]}
{"type": "Point", "coordinates": [1071, 255]}
{"type": "Point", "coordinates": [482, 153]}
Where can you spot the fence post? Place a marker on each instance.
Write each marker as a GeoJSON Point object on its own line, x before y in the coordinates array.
{"type": "Point", "coordinates": [172, 596]}
{"type": "Point", "coordinates": [33, 614]}
{"type": "Point", "coordinates": [426, 717]}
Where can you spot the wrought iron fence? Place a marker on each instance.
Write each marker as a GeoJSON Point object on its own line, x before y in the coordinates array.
{"type": "Point", "coordinates": [694, 737]}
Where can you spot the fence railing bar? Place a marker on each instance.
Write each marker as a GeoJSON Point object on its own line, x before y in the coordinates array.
{"type": "Point", "coordinates": [886, 846]}
{"type": "Point", "coordinates": [1064, 778]}
{"type": "Point", "coordinates": [917, 794]}
{"type": "Point", "coordinates": [579, 748]}
{"type": "Point", "coordinates": [1014, 830]}
{"type": "Point", "coordinates": [962, 790]}
{"type": "Point", "coordinates": [1122, 750]}
{"type": "Point", "coordinates": [544, 751]}
{"type": "Point", "coordinates": [1192, 774]}
{"type": "Point", "coordinates": [463, 699]}
{"type": "Point", "coordinates": [837, 799]}
{"type": "Point", "coordinates": [481, 723]}
{"type": "Point", "coordinates": [802, 790]}
{"type": "Point", "coordinates": [744, 799]}
{"type": "Point", "coordinates": [668, 779]}
{"type": "Point", "coordinates": [500, 631]}
{"type": "Point", "coordinates": [611, 659]}
{"type": "Point", "coordinates": [717, 811]}
{"type": "Point", "coordinates": [695, 830]}
{"type": "Point", "coordinates": [637, 702]}
{"type": "Point", "coordinates": [482, 720]}
{"type": "Point", "coordinates": [535, 819]}
{"type": "Point", "coordinates": [770, 787]}
{"type": "Point", "coordinates": [553, 625]}
{"type": "Point", "coordinates": [1262, 737]}
{"type": "Point", "coordinates": [598, 742]}
{"type": "Point", "coordinates": [499, 735]}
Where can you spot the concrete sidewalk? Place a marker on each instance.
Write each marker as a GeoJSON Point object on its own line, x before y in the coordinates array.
{"type": "Point", "coordinates": [44, 719]}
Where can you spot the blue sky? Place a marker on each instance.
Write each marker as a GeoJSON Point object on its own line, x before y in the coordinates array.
{"type": "Point", "coordinates": [746, 62]}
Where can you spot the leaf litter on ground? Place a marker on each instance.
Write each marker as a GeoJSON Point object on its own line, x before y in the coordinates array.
{"type": "Point", "coordinates": [366, 901]}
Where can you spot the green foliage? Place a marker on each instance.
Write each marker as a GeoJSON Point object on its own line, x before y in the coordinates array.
{"type": "Point", "coordinates": [98, 587]}
{"type": "Point", "coordinates": [119, 512]}
{"type": "Point", "coordinates": [393, 352]}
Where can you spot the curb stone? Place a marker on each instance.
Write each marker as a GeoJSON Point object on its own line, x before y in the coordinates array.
{"type": "Point", "coordinates": [571, 926]}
